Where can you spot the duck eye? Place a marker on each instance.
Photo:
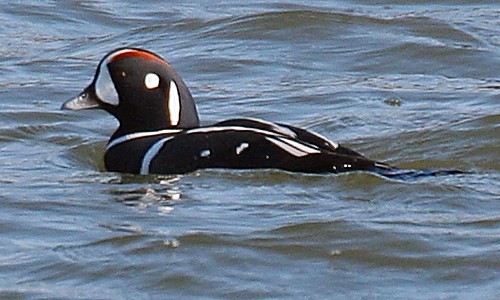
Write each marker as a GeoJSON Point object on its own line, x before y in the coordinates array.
{"type": "Point", "coordinates": [83, 96]}
{"type": "Point", "coordinates": [151, 81]}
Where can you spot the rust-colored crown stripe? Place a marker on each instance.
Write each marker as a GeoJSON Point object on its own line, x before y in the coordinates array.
{"type": "Point", "coordinates": [137, 53]}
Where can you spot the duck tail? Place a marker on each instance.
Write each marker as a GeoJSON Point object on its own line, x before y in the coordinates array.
{"type": "Point", "coordinates": [392, 172]}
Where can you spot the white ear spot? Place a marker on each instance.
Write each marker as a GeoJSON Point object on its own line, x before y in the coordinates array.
{"type": "Point", "coordinates": [174, 104]}
{"type": "Point", "coordinates": [152, 81]}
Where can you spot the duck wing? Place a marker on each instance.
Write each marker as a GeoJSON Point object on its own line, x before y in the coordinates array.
{"type": "Point", "coordinates": [250, 144]}
{"type": "Point", "coordinates": [293, 132]}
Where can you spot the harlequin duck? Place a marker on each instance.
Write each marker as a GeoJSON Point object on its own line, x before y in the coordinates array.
{"type": "Point", "coordinates": [160, 133]}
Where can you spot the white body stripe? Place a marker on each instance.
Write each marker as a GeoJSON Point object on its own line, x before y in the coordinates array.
{"type": "Point", "coordinates": [229, 128]}
{"type": "Point", "coordinates": [151, 154]}
{"type": "Point", "coordinates": [174, 104]}
{"type": "Point", "coordinates": [284, 142]}
{"type": "Point", "coordinates": [138, 135]}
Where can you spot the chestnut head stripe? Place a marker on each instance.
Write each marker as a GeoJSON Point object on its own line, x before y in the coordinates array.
{"type": "Point", "coordinates": [132, 52]}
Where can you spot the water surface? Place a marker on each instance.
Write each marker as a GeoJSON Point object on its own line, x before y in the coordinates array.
{"type": "Point", "coordinates": [412, 84]}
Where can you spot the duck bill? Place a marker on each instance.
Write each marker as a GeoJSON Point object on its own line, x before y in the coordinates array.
{"type": "Point", "coordinates": [85, 100]}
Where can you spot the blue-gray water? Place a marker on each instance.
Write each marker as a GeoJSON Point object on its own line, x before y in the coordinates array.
{"type": "Point", "coordinates": [416, 85]}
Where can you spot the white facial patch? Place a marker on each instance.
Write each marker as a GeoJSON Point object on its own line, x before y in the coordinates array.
{"type": "Point", "coordinates": [151, 81]}
{"type": "Point", "coordinates": [105, 87]}
{"type": "Point", "coordinates": [174, 104]}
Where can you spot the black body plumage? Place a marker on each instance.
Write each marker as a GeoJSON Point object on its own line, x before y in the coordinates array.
{"type": "Point", "coordinates": [160, 133]}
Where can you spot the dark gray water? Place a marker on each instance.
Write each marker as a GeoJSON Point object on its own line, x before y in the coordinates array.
{"type": "Point", "coordinates": [416, 85]}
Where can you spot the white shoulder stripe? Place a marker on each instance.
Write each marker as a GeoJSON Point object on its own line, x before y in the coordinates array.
{"type": "Point", "coordinates": [278, 128]}
{"type": "Point", "coordinates": [228, 128]}
{"type": "Point", "coordinates": [293, 151]}
{"type": "Point", "coordinates": [308, 148]}
{"type": "Point", "coordinates": [290, 133]}
{"type": "Point", "coordinates": [292, 147]}
{"type": "Point", "coordinates": [138, 135]}
{"type": "Point", "coordinates": [330, 142]}
{"type": "Point", "coordinates": [151, 154]}
{"type": "Point", "coordinates": [174, 104]}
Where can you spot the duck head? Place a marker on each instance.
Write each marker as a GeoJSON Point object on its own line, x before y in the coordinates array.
{"type": "Point", "coordinates": [141, 90]}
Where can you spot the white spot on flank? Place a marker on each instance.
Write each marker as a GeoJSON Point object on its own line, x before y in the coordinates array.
{"type": "Point", "coordinates": [152, 81]}
{"type": "Point", "coordinates": [174, 104]}
{"type": "Point", "coordinates": [241, 148]}
{"type": "Point", "coordinates": [205, 153]}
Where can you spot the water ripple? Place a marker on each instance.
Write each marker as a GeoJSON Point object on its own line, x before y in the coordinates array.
{"type": "Point", "coordinates": [414, 84]}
